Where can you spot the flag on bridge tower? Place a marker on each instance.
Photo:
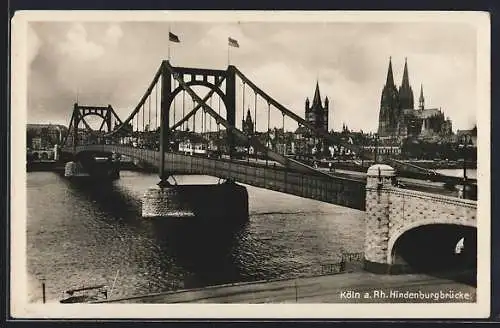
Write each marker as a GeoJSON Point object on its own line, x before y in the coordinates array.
{"type": "Point", "coordinates": [172, 37]}
{"type": "Point", "coordinates": [231, 43]}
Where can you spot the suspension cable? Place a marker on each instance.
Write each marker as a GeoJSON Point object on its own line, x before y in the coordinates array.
{"type": "Point", "coordinates": [156, 106]}
{"type": "Point", "coordinates": [137, 123]}
{"type": "Point", "coordinates": [255, 113]}
{"type": "Point", "coordinates": [243, 107]}
{"type": "Point", "coordinates": [202, 112]}
{"type": "Point", "coordinates": [183, 110]}
{"type": "Point", "coordinates": [210, 117]}
{"type": "Point", "coordinates": [268, 128]}
{"type": "Point", "coordinates": [194, 119]}
{"type": "Point", "coordinates": [204, 121]}
{"type": "Point", "coordinates": [174, 102]}
{"type": "Point", "coordinates": [218, 124]}
{"type": "Point", "coordinates": [283, 132]}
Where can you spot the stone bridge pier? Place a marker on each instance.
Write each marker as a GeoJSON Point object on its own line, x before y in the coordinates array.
{"type": "Point", "coordinates": [94, 166]}
{"type": "Point", "coordinates": [405, 228]}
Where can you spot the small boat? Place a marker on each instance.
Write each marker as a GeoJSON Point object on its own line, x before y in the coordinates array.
{"type": "Point", "coordinates": [85, 294]}
{"type": "Point", "coordinates": [88, 294]}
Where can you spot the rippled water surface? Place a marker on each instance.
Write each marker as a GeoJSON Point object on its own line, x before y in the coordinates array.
{"type": "Point", "coordinates": [471, 173]}
{"type": "Point", "coordinates": [81, 235]}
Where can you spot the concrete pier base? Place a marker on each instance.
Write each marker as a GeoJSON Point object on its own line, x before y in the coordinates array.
{"type": "Point", "coordinates": [105, 171]}
{"type": "Point", "coordinates": [165, 202]}
{"type": "Point", "coordinates": [227, 201]}
{"type": "Point", "coordinates": [74, 169]}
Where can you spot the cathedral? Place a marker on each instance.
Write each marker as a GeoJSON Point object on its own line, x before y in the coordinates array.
{"type": "Point", "coordinates": [317, 114]}
{"type": "Point", "coordinates": [398, 116]}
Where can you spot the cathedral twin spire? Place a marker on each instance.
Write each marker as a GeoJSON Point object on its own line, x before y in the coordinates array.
{"type": "Point", "coordinates": [394, 100]}
{"type": "Point", "coordinates": [390, 78]}
{"type": "Point", "coordinates": [405, 92]}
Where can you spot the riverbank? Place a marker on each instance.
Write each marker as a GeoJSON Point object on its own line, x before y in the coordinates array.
{"type": "Point", "coordinates": [350, 287]}
{"type": "Point", "coordinates": [44, 166]}
{"type": "Point", "coordinates": [56, 166]}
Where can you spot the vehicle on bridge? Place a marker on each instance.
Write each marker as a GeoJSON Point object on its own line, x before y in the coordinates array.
{"type": "Point", "coordinates": [189, 148]}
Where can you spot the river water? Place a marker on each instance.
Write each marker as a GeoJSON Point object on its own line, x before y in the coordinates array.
{"type": "Point", "coordinates": [471, 173]}
{"type": "Point", "coordinates": [84, 235]}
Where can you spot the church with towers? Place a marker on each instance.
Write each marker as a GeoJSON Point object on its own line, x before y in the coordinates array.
{"type": "Point", "coordinates": [316, 113]}
{"type": "Point", "coordinates": [398, 116]}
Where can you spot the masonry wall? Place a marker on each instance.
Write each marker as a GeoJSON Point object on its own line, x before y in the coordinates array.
{"type": "Point", "coordinates": [409, 209]}
{"type": "Point", "coordinates": [392, 211]}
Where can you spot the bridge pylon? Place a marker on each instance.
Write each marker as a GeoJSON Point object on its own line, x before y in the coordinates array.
{"type": "Point", "coordinates": [80, 112]}
{"type": "Point", "coordinates": [166, 100]}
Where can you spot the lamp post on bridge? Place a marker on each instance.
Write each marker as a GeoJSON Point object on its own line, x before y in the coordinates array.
{"type": "Point", "coordinates": [376, 147]}
{"type": "Point", "coordinates": [362, 151]}
{"type": "Point", "coordinates": [465, 143]}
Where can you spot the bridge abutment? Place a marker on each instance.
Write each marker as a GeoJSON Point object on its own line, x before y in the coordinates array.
{"type": "Point", "coordinates": [395, 217]}
{"type": "Point", "coordinates": [92, 168]}
{"type": "Point", "coordinates": [379, 178]}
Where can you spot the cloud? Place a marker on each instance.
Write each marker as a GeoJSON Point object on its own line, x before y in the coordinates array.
{"type": "Point", "coordinates": [113, 34]}
{"type": "Point", "coordinates": [114, 63]}
{"type": "Point", "coordinates": [77, 46]}
{"type": "Point", "coordinates": [217, 36]}
{"type": "Point", "coordinates": [34, 44]}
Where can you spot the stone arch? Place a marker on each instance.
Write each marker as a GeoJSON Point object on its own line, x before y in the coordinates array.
{"type": "Point", "coordinates": [44, 156]}
{"type": "Point", "coordinates": [415, 224]}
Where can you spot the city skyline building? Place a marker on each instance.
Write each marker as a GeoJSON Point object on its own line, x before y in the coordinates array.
{"type": "Point", "coordinates": [398, 116]}
{"type": "Point", "coordinates": [316, 114]}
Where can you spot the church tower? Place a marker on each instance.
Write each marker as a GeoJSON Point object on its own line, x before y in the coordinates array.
{"type": "Point", "coordinates": [389, 105]}
{"type": "Point", "coordinates": [325, 114]}
{"type": "Point", "coordinates": [421, 100]}
{"type": "Point", "coordinates": [405, 91]}
{"type": "Point", "coordinates": [248, 124]}
{"type": "Point", "coordinates": [316, 113]}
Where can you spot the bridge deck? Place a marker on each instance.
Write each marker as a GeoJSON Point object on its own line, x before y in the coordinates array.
{"type": "Point", "coordinates": [335, 190]}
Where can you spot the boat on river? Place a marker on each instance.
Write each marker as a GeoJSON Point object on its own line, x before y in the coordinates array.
{"type": "Point", "coordinates": [88, 294]}
{"type": "Point", "coordinates": [85, 294]}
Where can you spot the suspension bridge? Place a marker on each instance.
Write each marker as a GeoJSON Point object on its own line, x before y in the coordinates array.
{"type": "Point", "coordinates": [153, 130]}
{"type": "Point", "coordinates": [172, 116]}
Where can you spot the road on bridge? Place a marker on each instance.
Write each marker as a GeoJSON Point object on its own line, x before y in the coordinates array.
{"type": "Point", "coordinates": [409, 183]}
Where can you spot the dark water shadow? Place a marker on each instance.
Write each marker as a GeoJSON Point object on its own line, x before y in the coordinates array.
{"type": "Point", "coordinates": [197, 250]}
{"type": "Point", "coordinates": [205, 250]}
{"type": "Point", "coordinates": [109, 198]}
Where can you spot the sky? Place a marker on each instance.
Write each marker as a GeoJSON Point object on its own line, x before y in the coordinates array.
{"type": "Point", "coordinates": [113, 63]}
